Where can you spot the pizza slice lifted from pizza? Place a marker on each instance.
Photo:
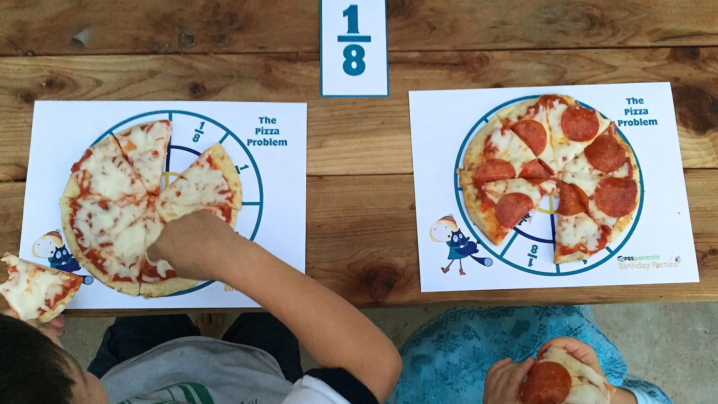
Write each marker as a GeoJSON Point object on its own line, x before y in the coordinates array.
{"type": "Point", "coordinates": [497, 207]}
{"type": "Point", "coordinates": [36, 292]}
{"type": "Point", "coordinates": [145, 146]}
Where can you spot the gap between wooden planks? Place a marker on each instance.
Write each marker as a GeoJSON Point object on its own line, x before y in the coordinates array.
{"type": "Point", "coordinates": [351, 136]}
{"type": "Point", "coordinates": [54, 27]}
{"type": "Point", "coordinates": [362, 243]}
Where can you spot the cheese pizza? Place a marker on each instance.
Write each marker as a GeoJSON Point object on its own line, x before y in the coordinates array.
{"type": "Point", "coordinates": [36, 292]}
{"type": "Point", "coordinates": [113, 207]}
{"type": "Point", "coordinates": [552, 145]}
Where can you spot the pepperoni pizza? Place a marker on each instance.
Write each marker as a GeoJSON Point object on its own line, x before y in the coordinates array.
{"type": "Point", "coordinates": [552, 145]}
{"type": "Point", "coordinates": [113, 207]}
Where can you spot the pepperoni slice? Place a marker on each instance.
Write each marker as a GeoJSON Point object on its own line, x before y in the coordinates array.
{"type": "Point", "coordinates": [535, 169]}
{"type": "Point", "coordinates": [532, 133]}
{"type": "Point", "coordinates": [548, 100]}
{"type": "Point", "coordinates": [616, 197]}
{"type": "Point", "coordinates": [579, 124]}
{"type": "Point", "coordinates": [546, 383]}
{"type": "Point", "coordinates": [511, 208]}
{"type": "Point", "coordinates": [494, 170]}
{"type": "Point", "coordinates": [605, 153]}
{"type": "Point", "coordinates": [572, 200]}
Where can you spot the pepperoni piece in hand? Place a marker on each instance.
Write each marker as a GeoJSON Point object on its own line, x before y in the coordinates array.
{"type": "Point", "coordinates": [572, 200]}
{"type": "Point", "coordinates": [616, 197]}
{"type": "Point", "coordinates": [511, 208]}
{"type": "Point", "coordinates": [494, 170]}
{"type": "Point", "coordinates": [535, 169]}
{"type": "Point", "coordinates": [605, 153]}
{"type": "Point", "coordinates": [532, 133]}
{"type": "Point", "coordinates": [546, 383]}
{"type": "Point", "coordinates": [579, 124]}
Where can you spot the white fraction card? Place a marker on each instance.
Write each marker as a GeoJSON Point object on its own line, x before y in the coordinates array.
{"type": "Point", "coordinates": [353, 50]}
{"type": "Point", "coordinates": [549, 187]}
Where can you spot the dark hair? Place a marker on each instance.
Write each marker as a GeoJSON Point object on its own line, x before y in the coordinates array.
{"type": "Point", "coordinates": [34, 369]}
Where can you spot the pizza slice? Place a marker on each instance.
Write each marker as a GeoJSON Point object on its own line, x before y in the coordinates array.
{"type": "Point", "coordinates": [497, 207]}
{"type": "Point", "coordinates": [170, 212]}
{"type": "Point", "coordinates": [577, 235]}
{"type": "Point", "coordinates": [145, 147]}
{"type": "Point", "coordinates": [36, 292]}
{"type": "Point", "coordinates": [529, 121]}
{"type": "Point", "coordinates": [101, 234]}
{"type": "Point", "coordinates": [572, 127]}
{"type": "Point", "coordinates": [212, 180]}
{"type": "Point", "coordinates": [158, 278]}
{"type": "Point", "coordinates": [607, 176]}
{"type": "Point", "coordinates": [104, 172]}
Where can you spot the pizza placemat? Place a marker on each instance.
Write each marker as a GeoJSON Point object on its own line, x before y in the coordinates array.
{"type": "Point", "coordinates": [656, 246]}
{"type": "Point", "coordinates": [255, 136]}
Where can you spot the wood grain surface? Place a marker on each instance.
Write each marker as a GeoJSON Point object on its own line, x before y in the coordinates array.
{"type": "Point", "coordinates": [362, 243]}
{"type": "Point", "coordinates": [71, 27]}
{"type": "Point", "coordinates": [351, 136]}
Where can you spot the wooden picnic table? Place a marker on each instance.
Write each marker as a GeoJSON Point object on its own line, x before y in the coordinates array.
{"type": "Point", "coordinates": [361, 224]}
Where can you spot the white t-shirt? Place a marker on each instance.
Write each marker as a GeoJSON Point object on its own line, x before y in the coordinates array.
{"type": "Point", "coordinates": [200, 370]}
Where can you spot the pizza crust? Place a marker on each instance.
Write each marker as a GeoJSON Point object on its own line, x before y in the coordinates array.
{"type": "Point", "coordinates": [220, 156]}
{"type": "Point", "coordinates": [59, 308]}
{"type": "Point", "coordinates": [166, 287]}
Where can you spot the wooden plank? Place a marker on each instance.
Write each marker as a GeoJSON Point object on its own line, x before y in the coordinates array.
{"type": "Point", "coordinates": [351, 136]}
{"type": "Point", "coordinates": [362, 243]}
{"type": "Point", "coordinates": [62, 27]}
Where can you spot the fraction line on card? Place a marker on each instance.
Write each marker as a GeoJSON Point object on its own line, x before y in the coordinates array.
{"type": "Point", "coordinates": [354, 38]}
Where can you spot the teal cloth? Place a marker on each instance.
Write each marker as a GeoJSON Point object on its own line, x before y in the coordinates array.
{"type": "Point", "coordinates": [447, 359]}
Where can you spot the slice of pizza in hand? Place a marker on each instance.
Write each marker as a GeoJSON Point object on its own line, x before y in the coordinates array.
{"type": "Point", "coordinates": [500, 205]}
{"type": "Point", "coordinates": [529, 121]}
{"type": "Point", "coordinates": [607, 175]}
{"type": "Point", "coordinates": [577, 235]}
{"type": "Point", "coordinates": [211, 180]}
{"type": "Point", "coordinates": [104, 172]}
{"type": "Point", "coordinates": [158, 278]}
{"type": "Point", "coordinates": [572, 127]}
{"type": "Point", "coordinates": [36, 292]}
{"type": "Point", "coordinates": [145, 146]}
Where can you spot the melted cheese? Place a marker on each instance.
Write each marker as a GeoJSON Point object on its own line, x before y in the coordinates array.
{"type": "Point", "coordinates": [27, 289]}
{"type": "Point", "coordinates": [495, 190]}
{"type": "Point", "coordinates": [511, 148]}
{"type": "Point", "coordinates": [129, 252]}
{"type": "Point", "coordinates": [146, 150]}
{"type": "Point", "coordinates": [99, 225]}
{"type": "Point", "coordinates": [586, 182]}
{"type": "Point", "coordinates": [547, 155]}
{"type": "Point", "coordinates": [110, 174]}
{"type": "Point", "coordinates": [198, 186]}
{"type": "Point", "coordinates": [577, 230]}
{"type": "Point", "coordinates": [600, 217]}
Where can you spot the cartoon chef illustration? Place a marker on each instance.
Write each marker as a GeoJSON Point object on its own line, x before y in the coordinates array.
{"type": "Point", "coordinates": [52, 247]}
{"type": "Point", "coordinates": [446, 230]}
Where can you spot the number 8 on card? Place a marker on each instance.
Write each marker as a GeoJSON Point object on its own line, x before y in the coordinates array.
{"type": "Point", "coordinates": [353, 53]}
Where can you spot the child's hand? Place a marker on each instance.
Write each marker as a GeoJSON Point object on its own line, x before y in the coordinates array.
{"type": "Point", "coordinates": [195, 245]}
{"type": "Point", "coordinates": [579, 350]}
{"type": "Point", "coordinates": [54, 329]}
{"type": "Point", "coordinates": [503, 381]}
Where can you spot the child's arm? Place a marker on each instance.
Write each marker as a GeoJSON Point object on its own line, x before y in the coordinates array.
{"type": "Point", "coordinates": [336, 334]}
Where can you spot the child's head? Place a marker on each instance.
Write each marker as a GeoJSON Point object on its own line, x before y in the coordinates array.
{"type": "Point", "coordinates": [36, 370]}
